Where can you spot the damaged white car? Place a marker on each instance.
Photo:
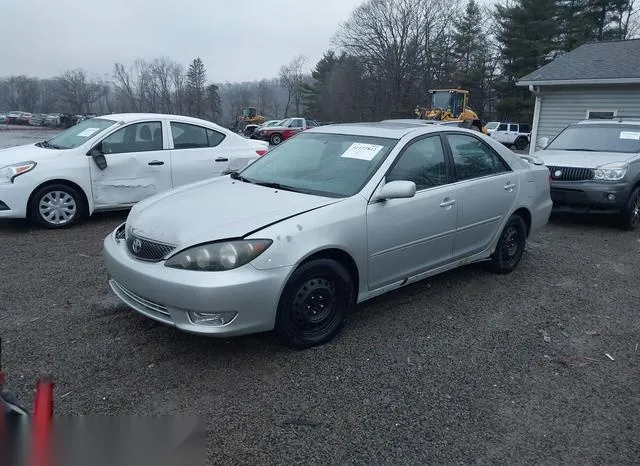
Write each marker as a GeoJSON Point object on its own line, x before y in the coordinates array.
{"type": "Point", "coordinates": [113, 162]}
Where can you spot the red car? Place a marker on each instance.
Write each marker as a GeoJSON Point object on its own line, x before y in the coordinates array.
{"type": "Point", "coordinates": [276, 134]}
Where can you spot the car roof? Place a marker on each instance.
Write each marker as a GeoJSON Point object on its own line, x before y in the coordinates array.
{"type": "Point", "coordinates": [380, 129]}
{"type": "Point", "coordinates": [414, 121]}
{"type": "Point", "coordinates": [624, 121]}
{"type": "Point", "coordinates": [129, 117]}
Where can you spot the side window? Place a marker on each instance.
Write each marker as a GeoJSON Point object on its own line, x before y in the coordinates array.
{"type": "Point", "coordinates": [502, 127]}
{"type": "Point", "coordinates": [422, 162]}
{"type": "Point", "coordinates": [138, 137]}
{"type": "Point", "coordinates": [473, 159]}
{"type": "Point", "coordinates": [186, 136]}
{"type": "Point", "coordinates": [215, 138]}
{"type": "Point", "coordinates": [525, 129]}
{"type": "Point", "coordinates": [513, 128]}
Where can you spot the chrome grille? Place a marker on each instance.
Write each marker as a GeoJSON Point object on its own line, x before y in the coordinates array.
{"type": "Point", "coordinates": [571, 173]}
{"type": "Point", "coordinates": [148, 250]}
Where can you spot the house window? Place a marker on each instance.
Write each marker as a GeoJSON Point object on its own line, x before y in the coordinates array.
{"type": "Point", "coordinates": [601, 114]}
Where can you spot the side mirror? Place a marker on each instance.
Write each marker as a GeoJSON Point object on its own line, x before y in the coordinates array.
{"type": "Point", "coordinates": [98, 156]}
{"type": "Point", "coordinates": [542, 143]}
{"type": "Point", "coordinates": [396, 190]}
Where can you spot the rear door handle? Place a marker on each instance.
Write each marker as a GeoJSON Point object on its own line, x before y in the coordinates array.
{"type": "Point", "coordinates": [447, 203]}
{"type": "Point", "coordinates": [509, 186]}
{"type": "Point", "coordinates": [222, 159]}
{"type": "Point", "coordinates": [156, 162]}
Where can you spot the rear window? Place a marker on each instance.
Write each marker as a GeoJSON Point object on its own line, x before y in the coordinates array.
{"type": "Point", "coordinates": [598, 138]}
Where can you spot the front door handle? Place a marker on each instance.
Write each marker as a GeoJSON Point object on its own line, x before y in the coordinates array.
{"type": "Point", "coordinates": [509, 186]}
{"type": "Point", "coordinates": [222, 159]}
{"type": "Point", "coordinates": [156, 162]}
{"type": "Point", "coordinates": [447, 203]}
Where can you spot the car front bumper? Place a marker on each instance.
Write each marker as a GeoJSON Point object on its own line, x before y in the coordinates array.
{"type": "Point", "coordinates": [590, 196]}
{"type": "Point", "coordinates": [13, 201]}
{"type": "Point", "coordinates": [169, 295]}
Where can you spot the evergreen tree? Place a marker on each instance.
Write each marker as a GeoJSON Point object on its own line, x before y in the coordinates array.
{"type": "Point", "coordinates": [214, 105]}
{"type": "Point", "coordinates": [529, 35]}
{"type": "Point", "coordinates": [196, 79]}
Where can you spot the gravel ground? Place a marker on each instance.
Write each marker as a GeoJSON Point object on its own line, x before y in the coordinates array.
{"type": "Point", "coordinates": [456, 369]}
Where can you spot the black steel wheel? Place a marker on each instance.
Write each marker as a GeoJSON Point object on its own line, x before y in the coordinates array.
{"type": "Point", "coordinates": [510, 246]}
{"type": "Point", "coordinates": [521, 143]}
{"type": "Point", "coordinates": [315, 303]}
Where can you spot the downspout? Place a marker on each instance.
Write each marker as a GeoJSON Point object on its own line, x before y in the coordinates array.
{"type": "Point", "coordinates": [536, 118]}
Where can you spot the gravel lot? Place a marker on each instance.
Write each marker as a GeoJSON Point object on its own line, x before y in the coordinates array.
{"type": "Point", "coordinates": [456, 369]}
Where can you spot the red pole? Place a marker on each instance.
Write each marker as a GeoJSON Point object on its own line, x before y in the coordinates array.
{"type": "Point", "coordinates": [42, 420]}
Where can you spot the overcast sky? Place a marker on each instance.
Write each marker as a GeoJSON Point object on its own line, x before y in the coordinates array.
{"type": "Point", "coordinates": [239, 40]}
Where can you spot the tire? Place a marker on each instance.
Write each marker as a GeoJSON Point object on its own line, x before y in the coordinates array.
{"type": "Point", "coordinates": [521, 143]}
{"type": "Point", "coordinates": [275, 139]}
{"type": "Point", "coordinates": [304, 318]}
{"type": "Point", "coordinates": [510, 247]}
{"type": "Point", "coordinates": [630, 216]}
{"type": "Point", "coordinates": [64, 203]}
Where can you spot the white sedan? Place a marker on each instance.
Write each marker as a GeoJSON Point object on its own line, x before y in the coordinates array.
{"type": "Point", "coordinates": [114, 161]}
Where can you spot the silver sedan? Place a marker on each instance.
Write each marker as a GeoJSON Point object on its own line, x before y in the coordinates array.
{"type": "Point", "coordinates": [332, 217]}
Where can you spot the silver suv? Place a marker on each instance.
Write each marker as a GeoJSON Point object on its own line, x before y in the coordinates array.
{"type": "Point", "coordinates": [594, 167]}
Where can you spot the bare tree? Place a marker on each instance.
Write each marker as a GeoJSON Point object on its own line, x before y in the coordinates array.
{"type": "Point", "coordinates": [78, 91]}
{"type": "Point", "coordinates": [292, 78]}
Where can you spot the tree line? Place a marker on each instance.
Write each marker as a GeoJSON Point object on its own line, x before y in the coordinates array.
{"type": "Point", "coordinates": [384, 58]}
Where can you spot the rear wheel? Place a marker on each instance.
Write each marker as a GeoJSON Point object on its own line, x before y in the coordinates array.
{"type": "Point", "coordinates": [510, 246]}
{"type": "Point", "coordinates": [521, 143]}
{"type": "Point", "coordinates": [630, 216]}
{"type": "Point", "coordinates": [275, 139]}
{"type": "Point", "coordinates": [57, 206]}
{"type": "Point", "coordinates": [314, 304]}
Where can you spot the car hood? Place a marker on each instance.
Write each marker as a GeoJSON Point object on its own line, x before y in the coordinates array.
{"type": "Point", "coordinates": [215, 209]}
{"type": "Point", "coordinates": [27, 152]}
{"type": "Point", "coordinates": [565, 158]}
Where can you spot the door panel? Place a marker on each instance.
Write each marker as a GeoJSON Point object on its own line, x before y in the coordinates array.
{"type": "Point", "coordinates": [409, 236]}
{"type": "Point", "coordinates": [487, 190]}
{"type": "Point", "coordinates": [137, 166]}
{"type": "Point", "coordinates": [198, 153]}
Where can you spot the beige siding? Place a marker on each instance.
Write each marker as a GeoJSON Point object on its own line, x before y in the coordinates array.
{"type": "Point", "coordinates": [561, 106]}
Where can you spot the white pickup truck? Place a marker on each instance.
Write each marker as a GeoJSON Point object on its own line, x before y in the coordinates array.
{"type": "Point", "coordinates": [510, 134]}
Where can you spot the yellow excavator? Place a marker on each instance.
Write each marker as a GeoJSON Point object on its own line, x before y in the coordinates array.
{"type": "Point", "coordinates": [248, 116]}
{"type": "Point", "coordinates": [451, 105]}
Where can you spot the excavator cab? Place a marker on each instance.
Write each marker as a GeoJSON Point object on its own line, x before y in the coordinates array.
{"type": "Point", "coordinates": [249, 112]}
{"type": "Point", "coordinates": [451, 101]}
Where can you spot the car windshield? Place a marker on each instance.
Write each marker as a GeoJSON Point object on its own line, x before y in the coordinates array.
{"type": "Point", "coordinates": [493, 124]}
{"type": "Point", "coordinates": [598, 138]}
{"type": "Point", "coordinates": [79, 134]}
{"type": "Point", "coordinates": [333, 165]}
{"type": "Point", "coordinates": [286, 122]}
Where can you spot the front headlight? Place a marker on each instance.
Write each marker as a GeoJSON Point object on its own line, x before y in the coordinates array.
{"type": "Point", "coordinates": [610, 172]}
{"type": "Point", "coordinates": [216, 257]}
{"type": "Point", "coordinates": [10, 172]}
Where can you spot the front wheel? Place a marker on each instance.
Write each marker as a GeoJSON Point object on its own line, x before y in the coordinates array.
{"type": "Point", "coordinates": [56, 206]}
{"type": "Point", "coordinates": [314, 304]}
{"type": "Point", "coordinates": [630, 216]}
{"type": "Point", "coordinates": [510, 246]}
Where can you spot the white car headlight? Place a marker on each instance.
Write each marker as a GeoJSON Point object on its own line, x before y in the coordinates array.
{"type": "Point", "coordinates": [10, 172]}
{"type": "Point", "coordinates": [216, 257]}
{"type": "Point", "coordinates": [611, 172]}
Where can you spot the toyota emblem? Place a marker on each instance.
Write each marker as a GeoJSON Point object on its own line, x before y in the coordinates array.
{"type": "Point", "coordinates": [137, 245]}
{"type": "Point", "coordinates": [557, 173]}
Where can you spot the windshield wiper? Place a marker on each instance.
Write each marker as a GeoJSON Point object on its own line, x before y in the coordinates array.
{"type": "Point", "coordinates": [47, 144]}
{"type": "Point", "coordinates": [237, 176]}
{"type": "Point", "coordinates": [283, 187]}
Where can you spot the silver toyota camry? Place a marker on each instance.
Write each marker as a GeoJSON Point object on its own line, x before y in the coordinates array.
{"type": "Point", "coordinates": [332, 217]}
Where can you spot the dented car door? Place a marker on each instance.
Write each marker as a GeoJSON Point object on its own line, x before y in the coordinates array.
{"type": "Point", "coordinates": [130, 165]}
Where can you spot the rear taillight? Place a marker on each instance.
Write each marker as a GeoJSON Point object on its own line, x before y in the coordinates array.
{"type": "Point", "coordinates": [261, 152]}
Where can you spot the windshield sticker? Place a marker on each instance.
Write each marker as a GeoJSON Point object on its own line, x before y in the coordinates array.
{"type": "Point", "coordinates": [87, 132]}
{"type": "Point", "coordinates": [635, 135]}
{"type": "Point", "coordinates": [362, 151]}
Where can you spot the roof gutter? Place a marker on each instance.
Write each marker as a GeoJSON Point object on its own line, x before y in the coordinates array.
{"type": "Point", "coordinates": [574, 82]}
